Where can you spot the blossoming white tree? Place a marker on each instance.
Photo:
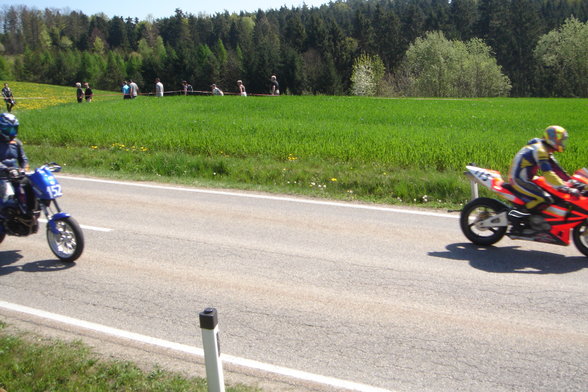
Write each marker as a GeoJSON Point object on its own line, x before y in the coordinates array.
{"type": "Point", "coordinates": [367, 75]}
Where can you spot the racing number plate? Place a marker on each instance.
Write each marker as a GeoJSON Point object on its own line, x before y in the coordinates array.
{"type": "Point", "coordinates": [54, 191]}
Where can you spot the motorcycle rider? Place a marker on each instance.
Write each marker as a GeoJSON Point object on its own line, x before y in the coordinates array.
{"type": "Point", "coordinates": [536, 156]}
{"type": "Point", "coordinates": [12, 156]}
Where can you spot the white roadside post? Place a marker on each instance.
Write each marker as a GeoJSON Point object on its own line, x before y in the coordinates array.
{"type": "Point", "coordinates": [211, 346]}
{"type": "Point", "coordinates": [474, 189]}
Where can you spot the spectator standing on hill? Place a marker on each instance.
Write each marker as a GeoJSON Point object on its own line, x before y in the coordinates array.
{"type": "Point", "coordinates": [241, 86]}
{"type": "Point", "coordinates": [158, 88]}
{"type": "Point", "coordinates": [216, 90]}
{"type": "Point", "coordinates": [88, 92]}
{"type": "Point", "coordinates": [275, 89]}
{"type": "Point", "coordinates": [126, 90]}
{"type": "Point", "coordinates": [134, 89]}
{"type": "Point", "coordinates": [8, 97]}
{"type": "Point", "coordinates": [79, 92]}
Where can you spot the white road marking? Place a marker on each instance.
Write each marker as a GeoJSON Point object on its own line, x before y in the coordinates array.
{"type": "Point", "coordinates": [268, 197]}
{"type": "Point", "coordinates": [119, 333]}
{"type": "Point", "coordinates": [104, 229]}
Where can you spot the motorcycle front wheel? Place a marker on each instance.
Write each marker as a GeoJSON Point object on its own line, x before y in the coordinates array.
{"type": "Point", "coordinates": [478, 210]}
{"type": "Point", "coordinates": [580, 236]}
{"type": "Point", "coordinates": [68, 243]}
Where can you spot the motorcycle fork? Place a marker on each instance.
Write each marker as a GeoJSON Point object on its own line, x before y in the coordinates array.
{"type": "Point", "coordinates": [50, 210]}
{"type": "Point", "coordinates": [53, 213]}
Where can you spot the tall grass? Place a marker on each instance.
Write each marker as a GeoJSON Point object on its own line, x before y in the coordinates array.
{"type": "Point", "coordinates": [387, 150]}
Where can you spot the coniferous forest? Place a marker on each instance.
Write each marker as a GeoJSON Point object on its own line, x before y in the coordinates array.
{"type": "Point", "coordinates": [311, 50]}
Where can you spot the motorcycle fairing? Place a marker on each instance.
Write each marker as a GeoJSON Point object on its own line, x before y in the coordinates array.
{"type": "Point", "coordinates": [581, 175]}
{"type": "Point", "coordinates": [492, 180]}
{"type": "Point", "coordinates": [45, 184]}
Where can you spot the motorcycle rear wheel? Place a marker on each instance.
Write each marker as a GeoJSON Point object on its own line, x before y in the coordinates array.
{"type": "Point", "coordinates": [476, 211]}
{"type": "Point", "coordinates": [580, 236]}
{"type": "Point", "coordinates": [68, 243]}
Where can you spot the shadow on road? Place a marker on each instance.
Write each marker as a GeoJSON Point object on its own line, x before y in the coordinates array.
{"type": "Point", "coordinates": [8, 258]}
{"type": "Point", "coordinates": [511, 259]}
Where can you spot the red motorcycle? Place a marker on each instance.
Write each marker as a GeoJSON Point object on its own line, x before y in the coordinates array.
{"type": "Point", "coordinates": [484, 221]}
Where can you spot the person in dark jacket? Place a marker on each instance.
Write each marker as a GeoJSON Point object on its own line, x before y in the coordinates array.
{"type": "Point", "coordinates": [13, 159]}
{"type": "Point", "coordinates": [88, 92]}
{"type": "Point", "coordinates": [79, 92]}
{"type": "Point", "coordinates": [8, 97]}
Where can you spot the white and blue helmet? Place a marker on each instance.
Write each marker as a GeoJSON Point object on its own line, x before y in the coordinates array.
{"type": "Point", "coordinates": [8, 126]}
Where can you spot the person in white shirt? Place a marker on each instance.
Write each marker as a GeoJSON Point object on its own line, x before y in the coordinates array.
{"type": "Point", "coordinates": [134, 89]}
{"type": "Point", "coordinates": [158, 88]}
{"type": "Point", "coordinates": [216, 90]}
{"type": "Point", "coordinates": [241, 86]}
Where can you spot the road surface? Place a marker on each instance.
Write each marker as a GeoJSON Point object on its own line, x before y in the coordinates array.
{"type": "Point", "coordinates": [382, 298]}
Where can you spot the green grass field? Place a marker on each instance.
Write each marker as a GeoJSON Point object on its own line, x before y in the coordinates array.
{"type": "Point", "coordinates": [380, 150]}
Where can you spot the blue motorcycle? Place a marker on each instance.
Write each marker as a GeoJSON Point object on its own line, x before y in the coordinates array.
{"type": "Point", "coordinates": [28, 194]}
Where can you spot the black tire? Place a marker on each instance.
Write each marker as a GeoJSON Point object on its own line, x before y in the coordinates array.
{"type": "Point", "coordinates": [68, 245]}
{"type": "Point", "coordinates": [580, 236]}
{"type": "Point", "coordinates": [2, 235]}
{"type": "Point", "coordinates": [480, 209]}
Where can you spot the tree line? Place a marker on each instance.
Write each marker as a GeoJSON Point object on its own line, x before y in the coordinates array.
{"type": "Point", "coordinates": [312, 50]}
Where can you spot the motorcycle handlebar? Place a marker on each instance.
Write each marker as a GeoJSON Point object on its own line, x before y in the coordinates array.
{"type": "Point", "coordinates": [53, 167]}
{"type": "Point", "coordinates": [5, 174]}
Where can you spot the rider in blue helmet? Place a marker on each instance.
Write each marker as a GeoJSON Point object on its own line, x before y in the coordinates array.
{"type": "Point", "coordinates": [12, 156]}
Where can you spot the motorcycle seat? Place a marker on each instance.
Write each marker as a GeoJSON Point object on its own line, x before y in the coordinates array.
{"type": "Point", "coordinates": [508, 187]}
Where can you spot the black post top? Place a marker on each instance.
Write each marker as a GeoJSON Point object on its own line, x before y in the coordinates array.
{"type": "Point", "coordinates": [208, 318]}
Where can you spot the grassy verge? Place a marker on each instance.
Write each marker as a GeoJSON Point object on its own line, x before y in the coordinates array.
{"type": "Point", "coordinates": [28, 364]}
{"type": "Point", "coordinates": [379, 150]}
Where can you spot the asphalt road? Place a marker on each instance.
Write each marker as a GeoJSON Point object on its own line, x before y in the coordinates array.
{"type": "Point", "coordinates": [385, 297]}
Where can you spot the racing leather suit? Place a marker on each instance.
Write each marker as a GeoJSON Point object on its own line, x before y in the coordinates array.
{"type": "Point", "coordinates": [535, 156]}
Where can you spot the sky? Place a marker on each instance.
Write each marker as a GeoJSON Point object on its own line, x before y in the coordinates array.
{"type": "Point", "coordinates": [162, 8]}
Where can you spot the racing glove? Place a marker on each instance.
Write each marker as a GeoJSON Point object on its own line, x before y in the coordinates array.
{"type": "Point", "coordinates": [577, 184]}
{"type": "Point", "coordinates": [13, 173]}
{"type": "Point", "coordinates": [570, 191]}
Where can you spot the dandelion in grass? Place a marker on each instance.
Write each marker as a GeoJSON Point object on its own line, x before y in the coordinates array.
{"type": "Point", "coordinates": [292, 157]}
{"type": "Point", "coordinates": [333, 179]}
